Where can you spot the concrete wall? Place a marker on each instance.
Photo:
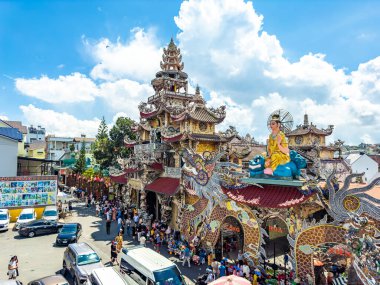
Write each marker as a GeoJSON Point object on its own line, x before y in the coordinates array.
{"type": "Point", "coordinates": [365, 164]}
{"type": "Point", "coordinates": [8, 157]}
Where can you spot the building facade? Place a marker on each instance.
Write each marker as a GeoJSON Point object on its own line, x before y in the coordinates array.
{"type": "Point", "coordinates": [9, 140]}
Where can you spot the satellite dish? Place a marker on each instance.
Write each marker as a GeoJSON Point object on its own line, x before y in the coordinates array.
{"type": "Point", "coordinates": [286, 120]}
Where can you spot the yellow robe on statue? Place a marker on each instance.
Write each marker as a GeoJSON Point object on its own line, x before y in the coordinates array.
{"type": "Point", "coordinates": [276, 157]}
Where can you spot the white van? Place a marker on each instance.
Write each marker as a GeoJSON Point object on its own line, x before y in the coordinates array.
{"type": "Point", "coordinates": [26, 215]}
{"type": "Point", "coordinates": [144, 266]}
{"type": "Point", "coordinates": [50, 213]}
{"type": "Point", "coordinates": [105, 276]}
{"type": "Point", "coordinates": [4, 219]}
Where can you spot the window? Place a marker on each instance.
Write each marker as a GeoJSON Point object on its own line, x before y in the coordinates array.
{"type": "Point", "coordinates": [88, 259]}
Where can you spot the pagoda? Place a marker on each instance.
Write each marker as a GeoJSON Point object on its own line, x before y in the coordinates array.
{"type": "Point", "coordinates": [175, 117]}
{"type": "Point", "coordinates": [171, 121]}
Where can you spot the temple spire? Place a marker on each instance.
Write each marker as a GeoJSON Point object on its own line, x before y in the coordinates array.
{"type": "Point", "coordinates": [172, 58]}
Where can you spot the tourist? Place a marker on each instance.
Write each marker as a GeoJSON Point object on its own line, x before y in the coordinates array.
{"type": "Point", "coordinates": [119, 224]}
{"type": "Point", "coordinates": [240, 257]}
{"type": "Point", "coordinates": [210, 276]}
{"type": "Point", "coordinates": [215, 267]}
{"type": "Point", "coordinates": [222, 269]}
{"type": "Point", "coordinates": [108, 222]}
{"type": "Point", "coordinates": [13, 268]}
{"type": "Point", "coordinates": [119, 240]}
{"type": "Point", "coordinates": [186, 256]}
{"type": "Point", "coordinates": [114, 253]}
{"type": "Point", "coordinates": [142, 240]}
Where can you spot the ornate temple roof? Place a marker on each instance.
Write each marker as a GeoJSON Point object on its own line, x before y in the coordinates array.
{"type": "Point", "coordinates": [307, 128]}
{"type": "Point", "coordinates": [202, 114]}
{"type": "Point", "coordinates": [120, 179]}
{"type": "Point", "coordinates": [206, 137]}
{"type": "Point", "coordinates": [269, 196]}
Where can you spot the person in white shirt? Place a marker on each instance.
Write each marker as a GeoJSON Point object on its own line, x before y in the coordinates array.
{"type": "Point", "coordinates": [142, 240]}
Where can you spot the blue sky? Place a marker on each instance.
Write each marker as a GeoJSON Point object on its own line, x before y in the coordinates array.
{"type": "Point", "coordinates": [303, 56]}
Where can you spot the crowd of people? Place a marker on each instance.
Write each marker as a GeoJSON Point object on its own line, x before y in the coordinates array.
{"type": "Point", "coordinates": [130, 224]}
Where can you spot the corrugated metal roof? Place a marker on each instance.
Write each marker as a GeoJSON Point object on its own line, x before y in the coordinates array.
{"type": "Point", "coordinates": [11, 133]}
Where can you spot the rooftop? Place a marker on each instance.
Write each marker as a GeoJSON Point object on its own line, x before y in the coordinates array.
{"type": "Point", "coordinates": [37, 145]}
{"type": "Point", "coordinates": [11, 133]}
{"type": "Point", "coordinates": [18, 125]}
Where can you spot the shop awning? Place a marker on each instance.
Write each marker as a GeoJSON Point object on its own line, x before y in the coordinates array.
{"type": "Point", "coordinates": [120, 179]}
{"type": "Point", "coordinates": [269, 196]}
{"type": "Point", "coordinates": [131, 170]}
{"type": "Point", "coordinates": [164, 185]}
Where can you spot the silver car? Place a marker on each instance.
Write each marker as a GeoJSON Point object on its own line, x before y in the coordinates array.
{"type": "Point", "coordinates": [79, 259]}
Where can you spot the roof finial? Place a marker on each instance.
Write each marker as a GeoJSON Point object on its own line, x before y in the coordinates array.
{"type": "Point", "coordinates": [305, 120]}
{"type": "Point", "coordinates": [197, 90]}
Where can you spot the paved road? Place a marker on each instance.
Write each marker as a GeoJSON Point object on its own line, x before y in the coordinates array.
{"type": "Point", "coordinates": [39, 257]}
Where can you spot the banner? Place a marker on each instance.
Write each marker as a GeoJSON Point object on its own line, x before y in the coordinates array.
{"type": "Point", "coordinates": [26, 191]}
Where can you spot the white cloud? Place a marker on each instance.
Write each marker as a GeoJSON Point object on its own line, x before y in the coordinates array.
{"type": "Point", "coordinates": [65, 89]}
{"type": "Point", "coordinates": [125, 95]}
{"type": "Point", "coordinates": [227, 50]}
{"type": "Point", "coordinates": [137, 59]}
{"type": "Point", "coordinates": [59, 124]}
{"type": "Point", "coordinates": [4, 118]}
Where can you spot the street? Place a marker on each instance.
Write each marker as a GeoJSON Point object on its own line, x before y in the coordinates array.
{"type": "Point", "coordinates": [39, 257]}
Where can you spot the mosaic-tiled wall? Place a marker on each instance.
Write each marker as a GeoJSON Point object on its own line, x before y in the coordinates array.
{"type": "Point", "coordinates": [244, 216]}
{"type": "Point", "coordinates": [310, 238]}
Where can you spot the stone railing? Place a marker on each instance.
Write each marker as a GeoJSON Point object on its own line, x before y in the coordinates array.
{"type": "Point", "coordinates": [174, 172]}
{"type": "Point", "coordinates": [149, 148]}
{"type": "Point", "coordinates": [166, 92]}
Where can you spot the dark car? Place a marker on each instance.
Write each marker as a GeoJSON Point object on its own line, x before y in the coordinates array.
{"type": "Point", "coordinates": [69, 233]}
{"type": "Point", "coordinates": [39, 227]}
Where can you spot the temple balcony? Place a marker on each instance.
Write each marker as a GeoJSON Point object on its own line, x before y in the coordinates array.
{"type": "Point", "coordinates": [173, 172]}
{"type": "Point", "coordinates": [168, 93]}
{"type": "Point", "coordinates": [149, 148]}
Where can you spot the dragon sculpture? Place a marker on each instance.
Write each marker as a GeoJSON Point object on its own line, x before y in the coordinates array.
{"type": "Point", "coordinates": [199, 172]}
{"type": "Point", "coordinates": [359, 214]}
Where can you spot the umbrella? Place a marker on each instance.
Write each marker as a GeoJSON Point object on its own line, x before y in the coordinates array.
{"type": "Point", "coordinates": [230, 280]}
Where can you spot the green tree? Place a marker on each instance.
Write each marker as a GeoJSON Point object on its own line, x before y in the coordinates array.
{"type": "Point", "coordinates": [72, 147]}
{"type": "Point", "coordinates": [80, 165]}
{"type": "Point", "coordinates": [102, 148]}
{"type": "Point", "coordinates": [121, 129]}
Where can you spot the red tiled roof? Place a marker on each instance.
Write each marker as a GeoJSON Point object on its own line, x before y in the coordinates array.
{"type": "Point", "coordinates": [121, 179]}
{"type": "Point", "coordinates": [270, 196]}
{"type": "Point", "coordinates": [172, 139]}
{"type": "Point", "coordinates": [164, 185]}
{"type": "Point", "coordinates": [148, 115]}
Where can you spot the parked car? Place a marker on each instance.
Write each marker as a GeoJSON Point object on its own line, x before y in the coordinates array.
{"type": "Point", "coordinates": [69, 233]}
{"type": "Point", "coordinates": [39, 227]}
{"type": "Point", "coordinates": [79, 259]}
{"type": "Point", "coordinates": [26, 215]}
{"type": "Point", "coordinates": [4, 219]}
{"type": "Point", "coordinates": [50, 280]}
{"type": "Point", "coordinates": [142, 265]}
{"type": "Point", "coordinates": [50, 213]}
{"type": "Point", "coordinates": [106, 275]}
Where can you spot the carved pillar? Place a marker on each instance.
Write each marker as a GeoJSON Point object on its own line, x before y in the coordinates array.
{"type": "Point", "coordinates": [165, 208]}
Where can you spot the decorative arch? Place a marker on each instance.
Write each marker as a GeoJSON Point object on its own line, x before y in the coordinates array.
{"type": "Point", "coordinates": [247, 220]}
{"type": "Point", "coordinates": [310, 238]}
